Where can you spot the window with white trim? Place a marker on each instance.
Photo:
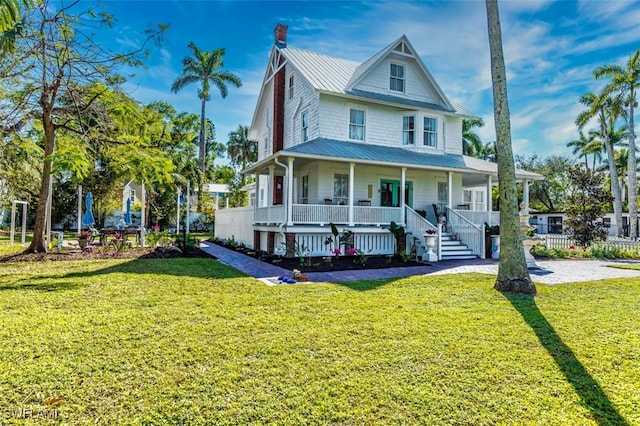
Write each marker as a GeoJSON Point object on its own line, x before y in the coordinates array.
{"type": "Point", "coordinates": [305, 189]}
{"type": "Point", "coordinates": [340, 188]}
{"type": "Point", "coordinates": [356, 124]}
{"type": "Point", "coordinates": [408, 130]}
{"type": "Point", "coordinates": [430, 132]}
{"type": "Point", "coordinates": [291, 87]}
{"type": "Point", "coordinates": [396, 78]}
{"type": "Point", "coordinates": [305, 125]}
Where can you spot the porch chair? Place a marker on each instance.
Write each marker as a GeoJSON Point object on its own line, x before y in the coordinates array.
{"type": "Point", "coordinates": [328, 201]}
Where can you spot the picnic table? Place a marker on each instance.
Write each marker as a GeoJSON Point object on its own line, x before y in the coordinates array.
{"type": "Point", "coordinates": [122, 233]}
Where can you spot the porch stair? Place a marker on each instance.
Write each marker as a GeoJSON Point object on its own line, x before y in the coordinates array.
{"type": "Point", "coordinates": [455, 249]}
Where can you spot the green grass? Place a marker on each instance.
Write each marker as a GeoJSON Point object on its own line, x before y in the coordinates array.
{"type": "Point", "coordinates": [190, 341]}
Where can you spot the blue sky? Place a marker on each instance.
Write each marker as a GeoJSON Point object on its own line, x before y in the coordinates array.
{"type": "Point", "coordinates": [551, 50]}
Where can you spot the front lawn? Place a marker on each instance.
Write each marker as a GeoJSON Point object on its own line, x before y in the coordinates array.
{"type": "Point", "coordinates": [190, 341]}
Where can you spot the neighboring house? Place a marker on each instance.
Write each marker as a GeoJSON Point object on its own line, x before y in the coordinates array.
{"type": "Point", "coordinates": [359, 145]}
{"type": "Point", "coordinates": [133, 192]}
{"type": "Point", "coordinates": [553, 223]}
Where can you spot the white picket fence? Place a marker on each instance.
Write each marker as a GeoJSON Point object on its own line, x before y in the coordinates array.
{"type": "Point", "coordinates": [562, 241]}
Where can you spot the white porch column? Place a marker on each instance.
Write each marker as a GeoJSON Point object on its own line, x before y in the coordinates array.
{"type": "Point", "coordinates": [450, 189]}
{"type": "Point", "coordinates": [351, 185]}
{"type": "Point", "coordinates": [272, 169]}
{"type": "Point", "coordinates": [290, 191]}
{"type": "Point", "coordinates": [403, 177]}
{"type": "Point", "coordinates": [489, 206]}
{"type": "Point", "coordinates": [143, 212]}
{"type": "Point", "coordinates": [79, 208]}
{"type": "Point", "coordinates": [525, 196]}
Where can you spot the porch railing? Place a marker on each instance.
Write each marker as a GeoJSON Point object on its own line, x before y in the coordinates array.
{"type": "Point", "coordinates": [480, 217]}
{"type": "Point", "coordinates": [472, 235]}
{"type": "Point", "coordinates": [417, 225]}
{"type": "Point", "coordinates": [271, 214]}
{"type": "Point", "coordinates": [318, 214]}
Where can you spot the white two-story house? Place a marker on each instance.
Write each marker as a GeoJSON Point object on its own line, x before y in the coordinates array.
{"type": "Point", "coordinates": [359, 145]}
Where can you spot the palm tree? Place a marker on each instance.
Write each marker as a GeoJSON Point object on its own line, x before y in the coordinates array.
{"type": "Point", "coordinates": [606, 110]}
{"type": "Point", "coordinates": [513, 275]}
{"type": "Point", "coordinates": [580, 146]}
{"type": "Point", "coordinates": [471, 142]}
{"type": "Point", "coordinates": [626, 82]}
{"type": "Point", "coordinates": [205, 68]}
{"type": "Point", "coordinates": [241, 150]}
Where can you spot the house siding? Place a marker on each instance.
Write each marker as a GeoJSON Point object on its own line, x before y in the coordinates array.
{"type": "Point", "coordinates": [305, 98]}
{"type": "Point", "coordinates": [416, 87]}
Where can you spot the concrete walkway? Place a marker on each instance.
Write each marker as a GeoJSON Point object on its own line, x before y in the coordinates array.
{"type": "Point", "coordinates": [550, 272]}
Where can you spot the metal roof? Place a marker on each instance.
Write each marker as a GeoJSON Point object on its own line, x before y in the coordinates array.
{"type": "Point", "coordinates": [375, 153]}
{"type": "Point", "coordinates": [324, 72]}
{"type": "Point", "coordinates": [329, 74]}
{"type": "Point", "coordinates": [397, 100]}
{"type": "Point", "coordinates": [492, 168]}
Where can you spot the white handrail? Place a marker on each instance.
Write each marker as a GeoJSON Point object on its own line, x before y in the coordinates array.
{"type": "Point", "coordinates": [471, 234]}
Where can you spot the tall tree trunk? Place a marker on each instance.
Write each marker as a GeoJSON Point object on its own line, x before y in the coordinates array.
{"type": "Point", "coordinates": [632, 181]}
{"type": "Point", "coordinates": [38, 244]}
{"type": "Point", "coordinates": [202, 152]}
{"type": "Point", "coordinates": [513, 275]}
{"type": "Point", "coordinates": [616, 192]}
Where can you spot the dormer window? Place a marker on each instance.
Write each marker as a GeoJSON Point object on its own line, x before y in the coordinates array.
{"type": "Point", "coordinates": [396, 78]}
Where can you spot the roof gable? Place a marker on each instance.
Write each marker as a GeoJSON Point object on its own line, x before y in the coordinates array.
{"type": "Point", "coordinates": [401, 47]}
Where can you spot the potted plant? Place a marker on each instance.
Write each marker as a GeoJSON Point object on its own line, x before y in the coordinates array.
{"type": "Point", "coordinates": [84, 238]}
{"type": "Point", "coordinates": [430, 243]}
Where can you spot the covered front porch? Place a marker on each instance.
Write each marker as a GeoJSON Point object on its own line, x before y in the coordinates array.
{"type": "Point", "coordinates": [297, 194]}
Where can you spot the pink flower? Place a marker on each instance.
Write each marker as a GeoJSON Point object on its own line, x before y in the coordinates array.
{"type": "Point", "coordinates": [352, 251]}
{"type": "Point", "coordinates": [337, 252]}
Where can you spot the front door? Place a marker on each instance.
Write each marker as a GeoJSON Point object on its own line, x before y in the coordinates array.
{"type": "Point", "coordinates": [390, 193]}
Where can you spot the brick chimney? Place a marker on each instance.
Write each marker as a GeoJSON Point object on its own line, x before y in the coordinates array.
{"type": "Point", "coordinates": [281, 35]}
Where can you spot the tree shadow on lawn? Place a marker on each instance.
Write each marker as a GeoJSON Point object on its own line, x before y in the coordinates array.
{"type": "Point", "coordinates": [185, 267]}
{"type": "Point", "coordinates": [590, 392]}
{"type": "Point", "coordinates": [181, 267]}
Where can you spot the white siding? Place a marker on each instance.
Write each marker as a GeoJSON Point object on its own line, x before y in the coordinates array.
{"type": "Point", "coordinates": [416, 87]}
{"type": "Point", "coordinates": [305, 98]}
{"type": "Point", "coordinates": [383, 125]}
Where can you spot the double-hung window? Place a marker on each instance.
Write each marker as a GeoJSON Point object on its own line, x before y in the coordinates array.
{"type": "Point", "coordinates": [291, 87]}
{"type": "Point", "coordinates": [430, 131]}
{"type": "Point", "coordinates": [340, 189]}
{"type": "Point", "coordinates": [396, 78]}
{"type": "Point", "coordinates": [305, 126]}
{"type": "Point", "coordinates": [408, 130]}
{"type": "Point", "coordinates": [356, 124]}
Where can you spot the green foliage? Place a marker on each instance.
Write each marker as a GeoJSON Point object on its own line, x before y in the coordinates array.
{"type": "Point", "coordinates": [344, 239]}
{"type": "Point", "coordinates": [366, 352]}
{"type": "Point", "coordinates": [548, 194]}
{"type": "Point", "coordinates": [162, 239]}
{"type": "Point", "coordinates": [398, 233]}
{"type": "Point", "coordinates": [598, 250]}
{"type": "Point", "coordinates": [586, 206]}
